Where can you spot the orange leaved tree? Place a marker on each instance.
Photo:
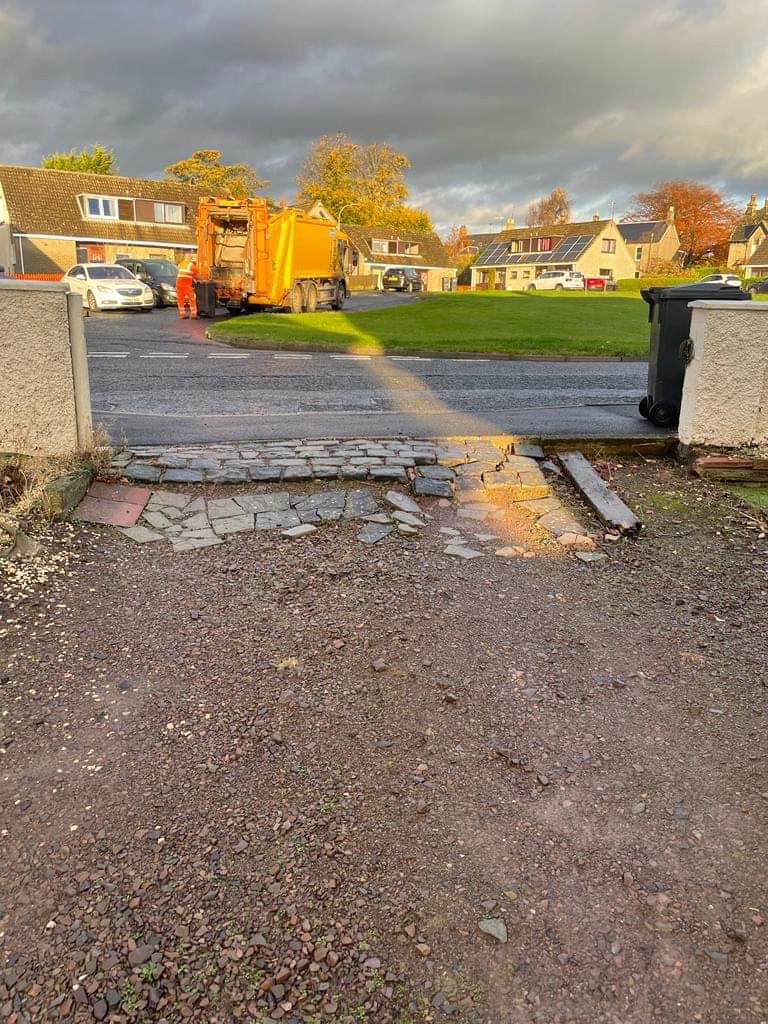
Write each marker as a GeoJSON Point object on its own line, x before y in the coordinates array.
{"type": "Point", "coordinates": [704, 218]}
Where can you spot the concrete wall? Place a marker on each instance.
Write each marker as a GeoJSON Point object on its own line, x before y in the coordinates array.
{"type": "Point", "coordinates": [725, 394]}
{"type": "Point", "coordinates": [44, 399]}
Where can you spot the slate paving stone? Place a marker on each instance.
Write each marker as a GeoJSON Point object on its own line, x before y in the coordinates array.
{"type": "Point", "coordinates": [233, 524]}
{"type": "Point", "coordinates": [591, 556]}
{"type": "Point", "coordinates": [530, 451]}
{"type": "Point", "coordinates": [142, 471]}
{"type": "Point", "coordinates": [297, 473]}
{"type": "Point", "coordinates": [140, 534]}
{"type": "Point", "coordinates": [119, 492]}
{"type": "Point", "coordinates": [183, 476]}
{"type": "Point", "coordinates": [277, 502]}
{"type": "Point", "coordinates": [108, 513]}
{"type": "Point", "coordinates": [164, 499]}
{"type": "Point", "coordinates": [437, 472]}
{"type": "Point", "coordinates": [198, 521]}
{"type": "Point", "coordinates": [277, 520]}
{"type": "Point", "coordinates": [354, 472]}
{"type": "Point", "coordinates": [309, 516]}
{"type": "Point", "coordinates": [471, 513]}
{"type": "Point", "coordinates": [228, 475]}
{"type": "Point", "coordinates": [434, 488]}
{"type": "Point", "coordinates": [157, 520]}
{"type": "Point", "coordinates": [404, 528]}
{"type": "Point", "coordinates": [388, 473]}
{"type": "Point", "coordinates": [172, 461]}
{"type": "Point", "coordinates": [408, 519]}
{"type": "Point", "coordinates": [208, 464]}
{"type": "Point", "coordinates": [560, 522]}
{"type": "Point", "coordinates": [222, 508]}
{"type": "Point", "coordinates": [402, 502]}
{"type": "Point", "coordinates": [300, 531]}
{"type": "Point", "coordinates": [192, 543]}
{"type": "Point", "coordinates": [372, 533]}
{"type": "Point", "coordinates": [460, 551]}
{"type": "Point", "coordinates": [268, 474]}
{"type": "Point", "coordinates": [196, 505]}
{"type": "Point", "coordinates": [360, 503]}
{"type": "Point", "coordinates": [378, 517]}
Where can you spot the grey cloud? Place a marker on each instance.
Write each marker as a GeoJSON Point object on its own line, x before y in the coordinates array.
{"type": "Point", "coordinates": [495, 102]}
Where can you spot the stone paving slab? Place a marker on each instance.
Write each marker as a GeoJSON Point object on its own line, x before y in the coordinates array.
{"type": "Point", "coordinates": [479, 479]}
{"type": "Point", "coordinates": [112, 504]}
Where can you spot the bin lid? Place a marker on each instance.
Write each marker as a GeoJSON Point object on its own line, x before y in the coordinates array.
{"type": "Point", "coordinates": [689, 292]}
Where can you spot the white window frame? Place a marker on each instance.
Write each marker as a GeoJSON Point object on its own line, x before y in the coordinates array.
{"type": "Point", "coordinates": [608, 246]}
{"type": "Point", "coordinates": [376, 243]}
{"type": "Point", "coordinates": [164, 207]}
{"type": "Point", "coordinates": [638, 252]}
{"type": "Point", "coordinates": [88, 215]}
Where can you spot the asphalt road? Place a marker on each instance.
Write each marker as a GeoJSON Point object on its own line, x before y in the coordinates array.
{"type": "Point", "coordinates": [155, 379]}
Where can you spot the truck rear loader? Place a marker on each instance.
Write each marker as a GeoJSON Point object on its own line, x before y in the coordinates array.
{"type": "Point", "coordinates": [250, 258]}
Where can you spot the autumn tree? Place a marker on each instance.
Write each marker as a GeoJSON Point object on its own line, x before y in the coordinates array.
{"type": "Point", "coordinates": [363, 184]}
{"type": "Point", "coordinates": [552, 209]}
{"type": "Point", "coordinates": [96, 160]}
{"type": "Point", "coordinates": [458, 246]}
{"type": "Point", "coordinates": [205, 170]}
{"type": "Point", "coordinates": [703, 217]}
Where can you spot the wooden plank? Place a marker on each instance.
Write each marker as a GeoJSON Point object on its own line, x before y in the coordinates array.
{"type": "Point", "coordinates": [609, 507]}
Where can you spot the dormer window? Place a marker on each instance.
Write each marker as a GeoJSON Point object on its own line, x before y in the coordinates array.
{"type": "Point", "coordinates": [394, 247]}
{"type": "Point", "coordinates": [101, 207]}
{"type": "Point", "coordinates": [544, 245]}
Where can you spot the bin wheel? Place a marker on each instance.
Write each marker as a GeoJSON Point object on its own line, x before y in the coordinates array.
{"type": "Point", "coordinates": [310, 297]}
{"type": "Point", "coordinates": [643, 408]}
{"type": "Point", "coordinates": [663, 414]}
{"type": "Point", "coordinates": [295, 299]}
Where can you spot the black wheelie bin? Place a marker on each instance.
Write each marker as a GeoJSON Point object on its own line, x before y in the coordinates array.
{"type": "Point", "coordinates": [670, 321]}
{"type": "Point", "coordinates": [205, 296]}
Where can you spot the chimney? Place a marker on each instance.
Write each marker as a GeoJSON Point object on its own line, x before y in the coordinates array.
{"type": "Point", "coordinates": [752, 205]}
{"type": "Point", "coordinates": [671, 215]}
{"type": "Point", "coordinates": [596, 215]}
{"type": "Point", "coordinates": [510, 223]}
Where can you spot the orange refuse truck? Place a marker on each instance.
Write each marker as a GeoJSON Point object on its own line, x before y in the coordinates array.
{"type": "Point", "coordinates": [250, 257]}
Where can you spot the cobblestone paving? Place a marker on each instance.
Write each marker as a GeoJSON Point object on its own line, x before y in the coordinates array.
{"type": "Point", "coordinates": [481, 480]}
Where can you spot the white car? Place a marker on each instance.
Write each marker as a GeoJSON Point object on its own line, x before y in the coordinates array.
{"type": "Point", "coordinates": [724, 280]}
{"type": "Point", "coordinates": [104, 286]}
{"type": "Point", "coordinates": [557, 280]}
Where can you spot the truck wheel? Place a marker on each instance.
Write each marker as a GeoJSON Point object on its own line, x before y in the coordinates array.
{"type": "Point", "coordinates": [339, 296]}
{"type": "Point", "coordinates": [663, 414]}
{"type": "Point", "coordinates": [295, 299]}
{"type": "Point", "coordinates": [310, 297]}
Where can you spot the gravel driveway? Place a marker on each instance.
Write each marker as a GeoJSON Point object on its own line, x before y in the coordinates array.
{"type": "Point", "coordinates": [289, 780]}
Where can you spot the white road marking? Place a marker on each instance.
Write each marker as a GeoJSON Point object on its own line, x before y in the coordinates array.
{"type": "Point", "coordinates": [474, 360]}
{"type": "Point", "coordinates": [364, 359]}
{"type": "Point", "coordinates": [108, 355]}
{"type": "Point", "coordinates": [229, 355]}
{"type": "Point", "coordinates": [411, 359]}
{"type": "Point", "coordinates": [292, 355]}
{"type": "Point", "coordinates": [165, 355]}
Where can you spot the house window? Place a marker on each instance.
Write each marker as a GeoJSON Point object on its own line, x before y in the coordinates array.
{"type": "Point", "coordinates": [379, 245]}
{"type": "Point", "coordinates": [501, 277]}
{"type": "Point", "coordinates": [514, 246]}
{"type": "Point", "coordinates": [526, 273]}
{"type": "Point", "coordinates": [545, 244]}
{"type": "Point", "coordinates": [410, 248]}
{"type": "Point", "coordinates": [609, 245]}
{"type": "Point", "coordinates": [169, 213]}
{"type": "Point", "coordinates": [606, 272]}
{"type": "Point", "coordinates": [512, 275]}
{"type": "Point", "coordinates": [639, 252]}
{"type": "Point", "coordinates": [101, 207]}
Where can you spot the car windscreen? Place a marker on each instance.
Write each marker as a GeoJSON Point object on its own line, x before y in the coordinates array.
{"type": "Point", "coordinates": [107, 273]}
{"type": "Point", "coordinates": [161, 268]}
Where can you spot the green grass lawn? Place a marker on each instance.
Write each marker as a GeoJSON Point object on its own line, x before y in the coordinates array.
{"type": "Point", "coordinates": [506, 323]}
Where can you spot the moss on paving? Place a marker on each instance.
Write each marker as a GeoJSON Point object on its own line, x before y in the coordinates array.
{"type": "Point", "coordinates": [505, 323]}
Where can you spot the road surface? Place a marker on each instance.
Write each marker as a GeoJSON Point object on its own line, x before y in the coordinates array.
{"type": "Point", "coordinates": [155, 379]}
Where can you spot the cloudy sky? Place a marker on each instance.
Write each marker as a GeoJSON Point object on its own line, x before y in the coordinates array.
{"type": "Point", "coordinates": [495, 101]}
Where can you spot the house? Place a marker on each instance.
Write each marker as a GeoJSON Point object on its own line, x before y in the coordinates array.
{"type": "Point", "coordinates": [517, 256]}
{"type": "Point", "coordinates": [748, 244]}
{"type": "Point", "coordinates": [50, 220]}
{"type": "Point", "coordinates": [652, 243]}
{"type": "Point", "coordinates": [376, 249]}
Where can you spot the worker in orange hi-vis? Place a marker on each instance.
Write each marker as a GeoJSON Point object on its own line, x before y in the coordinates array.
{"type": "Point", "coordinates": [185, 288]}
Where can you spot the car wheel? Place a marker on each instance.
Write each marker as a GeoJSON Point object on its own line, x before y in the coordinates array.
{"type": "Point", "coordinates": [558, 287]}
{"type": "Point", "coordinates": [531, 288]}
{"type": "Point", "coordinates": [92, 303]}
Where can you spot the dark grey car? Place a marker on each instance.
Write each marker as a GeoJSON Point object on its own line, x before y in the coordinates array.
{"type": "Point", "coordinates": [160, 275]}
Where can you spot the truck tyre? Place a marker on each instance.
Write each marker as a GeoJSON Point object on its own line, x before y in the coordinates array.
{"type": "Point", "coordinates": [339, 296]}
{"type": "Point", "coordinates": [295, 299]}
{"type": "Point", "coordinates": [310, 297]}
